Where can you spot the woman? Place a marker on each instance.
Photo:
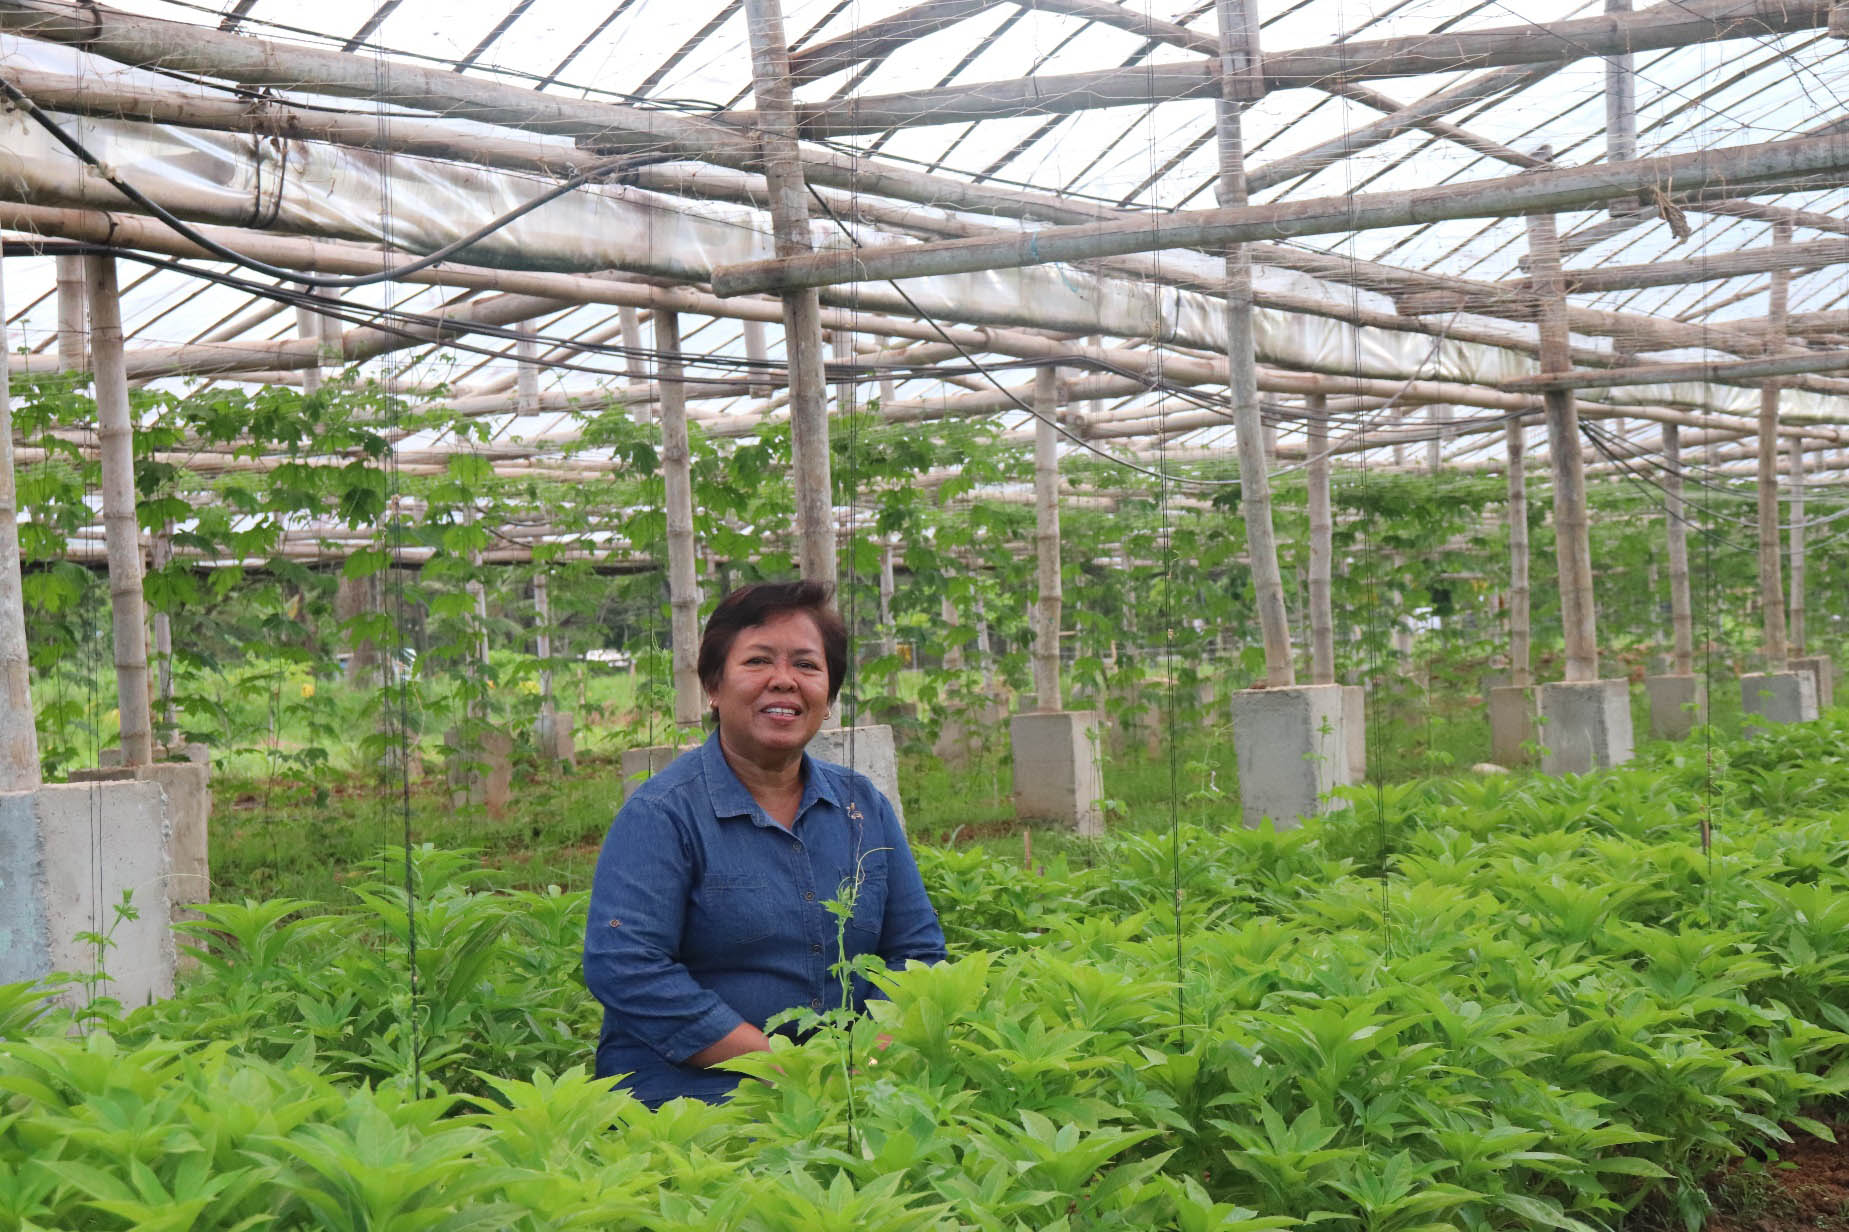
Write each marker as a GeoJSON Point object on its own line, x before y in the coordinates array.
{"type": "Point", "coordinates": [708, 910]}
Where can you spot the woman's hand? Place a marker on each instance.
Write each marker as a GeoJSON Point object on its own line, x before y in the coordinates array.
{"type": "Point", "coordinates": [735, 1043]}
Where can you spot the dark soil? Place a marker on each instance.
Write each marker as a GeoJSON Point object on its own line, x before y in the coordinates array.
{"type": "Point", "coordinates": [1808, 1188]}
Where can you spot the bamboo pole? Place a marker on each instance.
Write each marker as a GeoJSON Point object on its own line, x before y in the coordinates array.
{"type": "Point", "coordinates": [1675, 508]}
{"type": "Point", "coordinates": [526, 371]}
{"type": "Point", "coordinates": [1239, 68]}
{"type": "Point", "coordinates": [308, 328]}
{"type": "Point", "coordinates": [1046, 540]}
{"type": "Point", "coordinates": [683, 579]}
{"type": "Point", "coordinates": [1771, 584]}
{"type": "Point", "coordinates": [73, 317]}
{"type": "Point", "coordinates": [159, 557]}
{"type": "Point", "coordinates": [640, 394]}
{"type": "Point", "coordinates": [19, 746]}
{"type": "Point", "coordinates": [1620, 101]}
{"type": "Point", "coordinates": [1730, 372]}
{"type": "Point", "coordinates": [1521, 654]}
{"type": "Point", "coordinates": [1668, 25]}
{"type": "Point", "coordinates": [115, 436]}
{"type": "Point", "coordinates": [478, 591]}
{"type": "Point", "coordinates": [1569, 188]}
{"type": "Point", "coordinates": [889, 634]}
{"type": "Point", "coordinates": [802, 323]}
{"type": "Point", "coordinates": [1795, 463]}
{"type": "Point", "coordinates": [1322, 554]}
{"type": "Point", "coordinates": [756, 352]}
{"type": "Point", "coordinates": [1572, 527]}
{"type": "Point", "coordinates": [542, 640]}
{"type": "Point", "coordinates": [879, 39]}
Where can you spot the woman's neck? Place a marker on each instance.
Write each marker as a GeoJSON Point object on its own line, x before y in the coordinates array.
{"type": "Point", "coordinates": [777, 786]}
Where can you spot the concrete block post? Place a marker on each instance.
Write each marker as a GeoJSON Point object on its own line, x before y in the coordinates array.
{"type": "Point", "coordinates": [1585, 725]}
{"type": "Point", "coordinates": [1354, 729]}
{"type": "Point", "coordinates": [869, 749]}
{"type": "Point", "coordinates": [1678, 704]}
{"type": "Point", "coordinates": [1512, 731]}
{"type": "Point", "coordinates": [1823, 671]}
{"type": "Point", "coordinates": [68, 851]}
{"type": "Point", "coordinates": [552, 735]}
{"type": "Point", "coordinates": [1293, 749]}
{"type": "Point", "coordinates": [642, 764]}
{"type": "Point", "coordinates": [482, 773]}
{"type": "Point", "coordinates": [1778, 697]}
{"type": "Point", "coordinates": [1058, 774]}
{"type": "Point", "coordinates": [185, 786]}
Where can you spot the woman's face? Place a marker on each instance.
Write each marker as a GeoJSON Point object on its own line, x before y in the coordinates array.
{"type": "Point", "coordinates": [773, 692]}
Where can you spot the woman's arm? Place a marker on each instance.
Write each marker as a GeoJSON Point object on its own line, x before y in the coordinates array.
{"type": "Point", "coordinates": [633, 935]}
{"type": "Point", "coordinates": [738, 1041]}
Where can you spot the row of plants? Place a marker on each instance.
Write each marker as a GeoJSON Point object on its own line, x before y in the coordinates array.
{"type": "Point", "coordinates": [1458, 1003]}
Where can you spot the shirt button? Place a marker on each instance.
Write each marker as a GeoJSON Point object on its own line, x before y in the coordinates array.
{"type": "Point", "coordinates": [815, 949]}
{"type": "Point", "coordinates": [809, 896]}
{"type": "Point", "coordinates": [816, 1005]}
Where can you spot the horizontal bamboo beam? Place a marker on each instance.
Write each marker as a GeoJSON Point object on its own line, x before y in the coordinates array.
{"type": "Point", "coordinates": [878, 39]}
{"type": "Point", "coordinates": [1732, 372]}
{"type": "Point", "coordinates": [1570, 188]}
{"type": "Point", "coordinates": [1666, 25]}
{"type": "Point", "coordinates": [1130, 20]}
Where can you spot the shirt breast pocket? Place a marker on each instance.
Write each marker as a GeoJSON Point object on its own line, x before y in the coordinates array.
{"type": "Point", "coordinates": [733, 911]}
{"type": "Point", "coordinates": [865, 925]}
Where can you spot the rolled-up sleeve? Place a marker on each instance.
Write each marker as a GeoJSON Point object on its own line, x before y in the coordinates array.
{"type": "Point", "coordinates": [632, 940]}
{"type": "Point", "coordinates": [909, 931]}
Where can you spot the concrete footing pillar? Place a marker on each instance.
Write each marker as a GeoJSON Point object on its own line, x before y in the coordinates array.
{"type": "Point", "coordinates": [1677, 705]}
{"type": "Point", "coordinates": [1823, 671]}
{"type": "Point", "coordinates": [481, 773]}
{"type": "Point", "coordinates": [1512, 734]}
{"type": "Point", "coordinates": [1294, 749]}
{"type": "Point", "coordinates": [957, 744]}
{"type": "Point", "coordinates": [553, 738]}
{"type": "Point", "coordinates": [869, 749]}
{"type": "Point", "coordinates": [1058, 771]}
{"type": "Point", "coordinates": [68, 851]}
{"type": "Point", "coordinates": [1585, 725]}
{"type": "Point", "coordinates": [642, 764]}
{"type": "Point", "coordinates": [1354, 729]}
{"type": "Point", "coordinates": [1778, 697]}
{"type": "Point", "coordinates": [188, 805]}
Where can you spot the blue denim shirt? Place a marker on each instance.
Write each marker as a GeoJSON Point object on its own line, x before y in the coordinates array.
{"type": "Point", "coordinates": [706, 913]}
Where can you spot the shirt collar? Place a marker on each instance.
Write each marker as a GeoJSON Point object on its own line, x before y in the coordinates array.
{"type": "Point", "coordinates": [731, 798]}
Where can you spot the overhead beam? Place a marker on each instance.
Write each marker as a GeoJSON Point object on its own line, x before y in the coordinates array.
{"type": "Point", "coordinates": [1736, 372]}
{"type": "Point", "coordinates": [879, 39]}
{"type": "Point", "coordinates": [1667, 25]}
{"type": "Point", "coordinates": [1571, 188]}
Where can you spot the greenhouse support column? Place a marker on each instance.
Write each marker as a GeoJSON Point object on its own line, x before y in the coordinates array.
{"type": "Point", "coordinates": [308, 327]}
{"type": "Point", "coordinates": [802, 309]}
{"type": "Point", "coordinates": [1322, 531]}
{"type": "Point", "coordinates": [121, 532]}
{"type": "Point", "coordinates": [542, 640]}
{"type": "Point", "coordinates": [526, 371]}
{"type": "Point", "coordinates": [1291, 742]}
{"type": "Point", "coordinates": [1585, 721]}
{"type": "Point", "coordinates": [73, 316]}
{"type": "Point", "coordinates": [1678, 699]}
{"type": "Point", "coordinates": [677, 472]}
{"type": "Point", "coordinates": [19, 745]}
{"type": "Point", "coordinates": [1512, 703]}
{"type": "Point", "coordinates": [889, 636]}
{"type": "Point", "coordinates": [635, 362]}
{"type": "Point", "coordinates": [1056, 752]}
{"type": "Point", "coordinates": [759, 357]}
{"type": "Point", "coordinates": [1778, 694]}
{"type": "Point", "coordinates": [1820, 667]}
{"type": "Point", "coordinates": [160, 556]}
{"type": "Point", "coordinates": [1046, 540]}
{"type": "Point", "coordinates": [1240, 85]}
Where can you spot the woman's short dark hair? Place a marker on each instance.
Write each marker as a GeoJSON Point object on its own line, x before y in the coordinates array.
{"type": "Point", "coordinates": [752, 605]}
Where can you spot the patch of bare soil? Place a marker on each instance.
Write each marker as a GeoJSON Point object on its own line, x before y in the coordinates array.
{"type": "Point", "coordinates": [1807, 1188]}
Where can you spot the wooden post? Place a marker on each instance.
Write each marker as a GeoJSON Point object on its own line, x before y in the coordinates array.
{"type": "Point", "coordinates": [1795, 608]}
{"type": "Point", "coordinates": [1521, 654]}
{"type": "Point", "coordinates": [542, 638]}
{"type": "Point", "coordinates": [526, 371]}
{"type": "Point", "coordinates": [115, 436]}
{"type": "Point", "coordinates": [1681, 605]}
{"type": "Point", "coordinates": [19, 741]}
{"type": "Point", "coordinates": [635, 365]}
{"type": "Point", "coordinates": [677, 474]}
{"type": "Point", "coordinates": [160, 555]}
{"type": "Point", "coordinates": [73, 316]}
{"type": "Point", "coordinates": [758, 355]}
{"type": "Point", "coordinates": [1046, 540]}
{"type": "Point", "coordinates": [889, 636]}
{"type": "Point", "coordinates": [802, 309]}
{"type": "Point", "coordinates": [1437, 413]}
{"type": "Point", "coordinates": [953, 651]}
{"type": "Point", "coordinates": [1322, 531]}
{"type": "Point", "coordinates": [1620, 105]}
{"type": "Point", "coordinates": [308, 327]}
{"type": "Point", "coordinates": [1239, 63]}
{"type": "Point", "coordinates": [1572, 528]}
{"type": "Point", "coordinates": [1771, 585]}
